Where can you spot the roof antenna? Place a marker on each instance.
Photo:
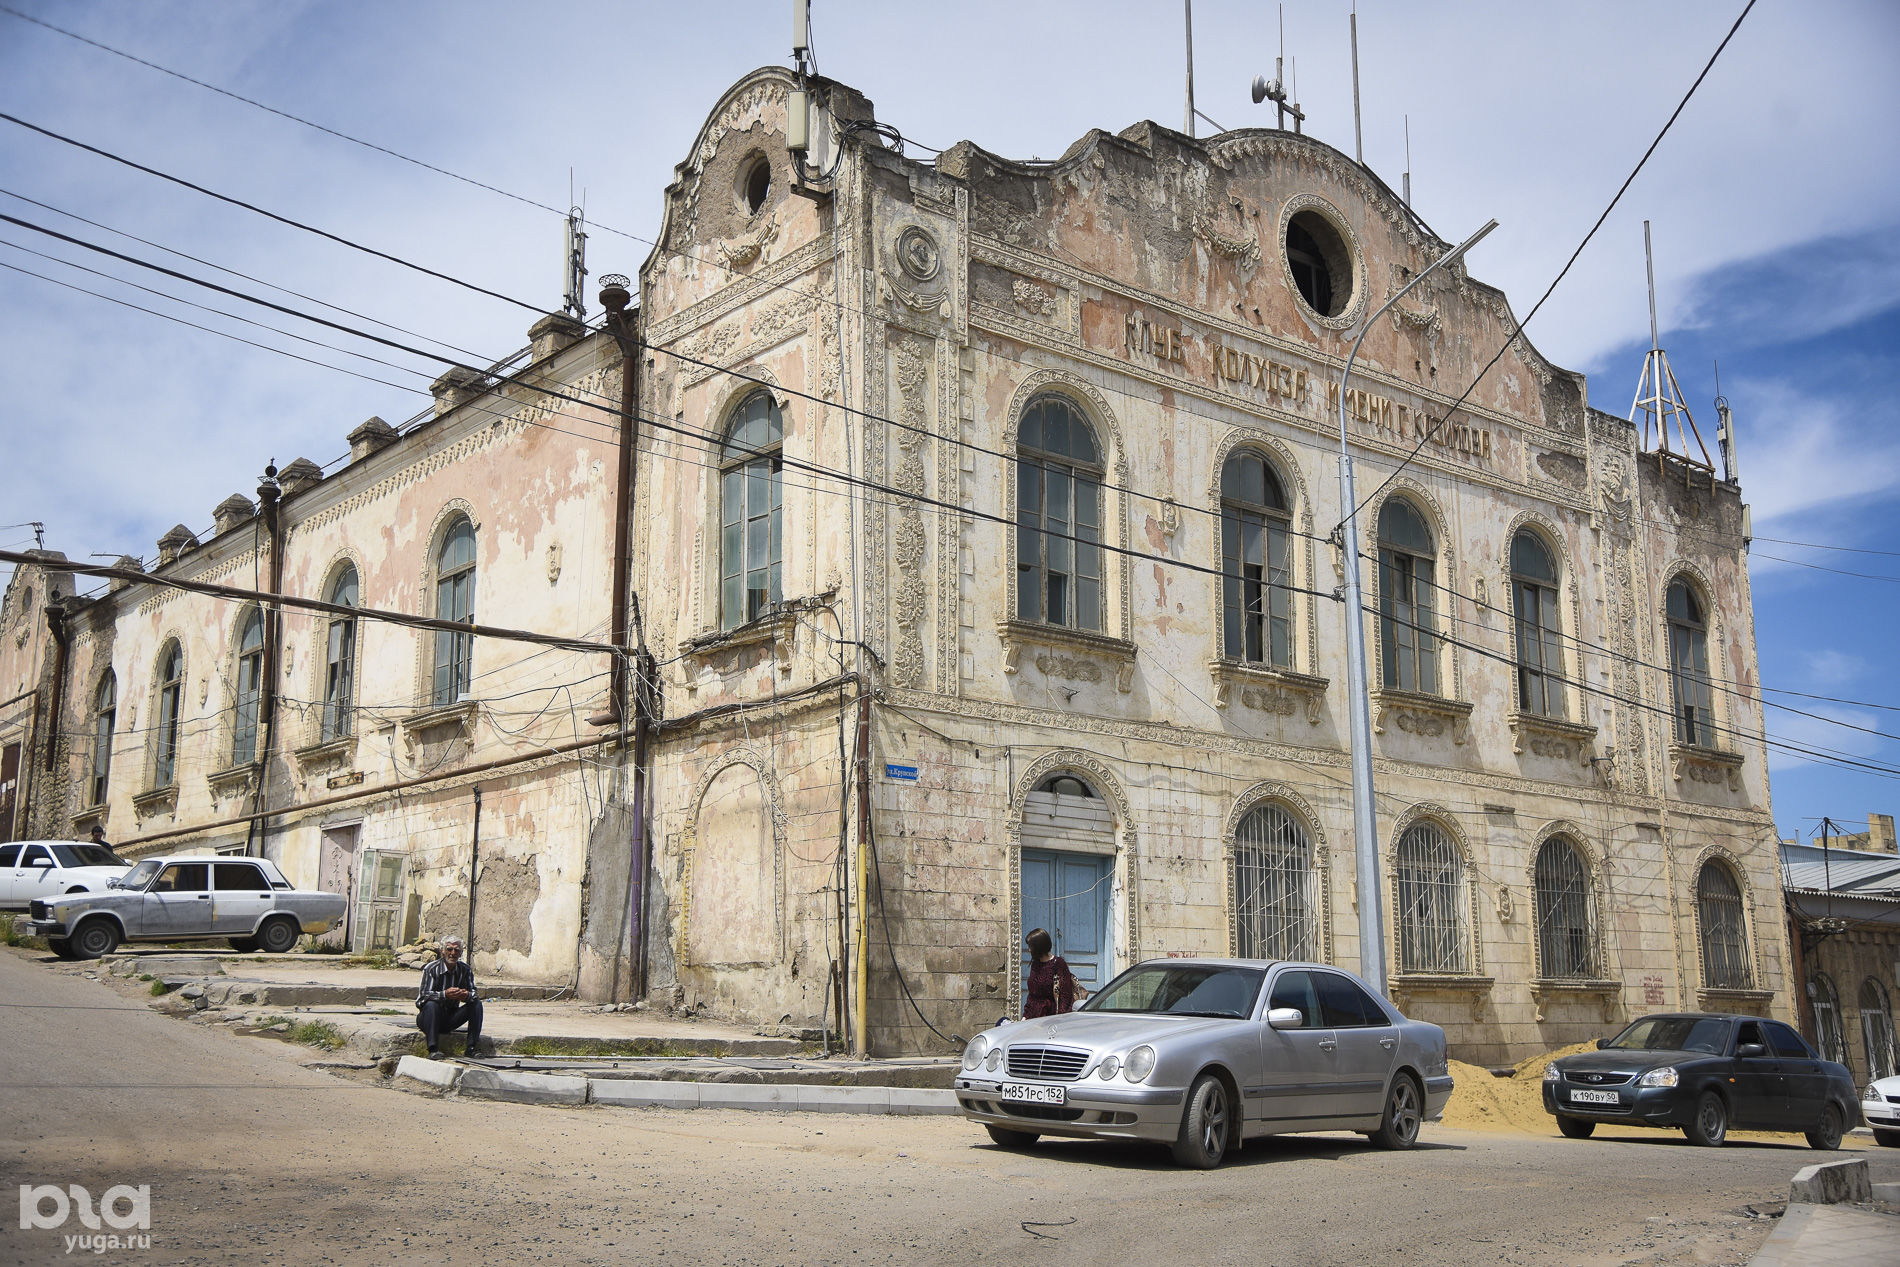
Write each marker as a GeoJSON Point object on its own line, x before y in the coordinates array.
{"type": "Point", "coordinates": [1725, 431]}
{"type": "Point", "coordinates": [1358, 145]}
{"type": "Point", "coordinates": [1275, 89]}
{"type": "Point", "coordinates": [574, 257]}
{"type": "Point", "coordinates": [1406, 180]}
{"type": "Point", "coordinates": [1659, 395]}
{"type": "Point", "coordinates": [1188, 124]}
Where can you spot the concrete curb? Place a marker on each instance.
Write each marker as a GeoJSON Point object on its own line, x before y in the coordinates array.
{"type": "Point", "coordinates": [521, 1088]}
{"type": "Point", "coordinates": [435, 1073]}
{"type": "Point", "coordinates": [477, 1083]}
{"type": "Point", "coordinates": [1832, 1183]}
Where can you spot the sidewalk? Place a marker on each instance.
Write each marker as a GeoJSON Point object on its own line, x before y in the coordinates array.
{"type": "Point", "coordinates": [1832, 1236]}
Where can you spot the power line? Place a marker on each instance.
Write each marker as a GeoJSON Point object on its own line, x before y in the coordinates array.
{"type": "Point", "coordinates": [1518, 327]}
{"type": "Point", "coordinates": [1815, 545]}
{"type": "Point", "coordinates": [1864, 576]}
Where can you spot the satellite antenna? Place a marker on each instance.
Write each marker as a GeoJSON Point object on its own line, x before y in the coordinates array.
{"type": "Point", "coordinates": [1659, 395]}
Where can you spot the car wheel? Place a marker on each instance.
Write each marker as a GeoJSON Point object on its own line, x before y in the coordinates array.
{"type": "Point", "coordinates": [1828, 1137]}
{"type": "Point", "coordinates": [1404, 1110]}
{"type": "Point", "coordinates": [1575, 1127]}
{"type": "Point", "coordinates": [278, 935]}
{"type": "Point", "coordinates": [1204, 1124]}
{"type": "Point", "coordinates": [1015, 1141]}
{"type": "Point", "coordinates": [1709, 1126]}
{"type": "Point", "coordinates": [95, 937]}
{"type": "Point", "coordinates": [1886, 1139]}
{"type": "Point", "coordinates": [245, 944]}
{"type": "Point", "coordinates": [62, 946]}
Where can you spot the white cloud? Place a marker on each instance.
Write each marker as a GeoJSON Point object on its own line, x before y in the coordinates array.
{"type": "Point", "coordinates": [1823, 736]}
{"type": "Point", "coordinates": [1827, 667]}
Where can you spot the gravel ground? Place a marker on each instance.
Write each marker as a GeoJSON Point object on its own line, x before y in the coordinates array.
{"type": "Point", "coordinates": [252, 1155]}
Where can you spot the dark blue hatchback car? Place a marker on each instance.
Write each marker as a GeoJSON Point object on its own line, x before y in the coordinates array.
{"type": "Point", "coordinates": [1704, 1074]}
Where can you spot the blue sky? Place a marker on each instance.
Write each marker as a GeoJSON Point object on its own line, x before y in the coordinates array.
{"type": "Point", "coordinates": [1775, 203]}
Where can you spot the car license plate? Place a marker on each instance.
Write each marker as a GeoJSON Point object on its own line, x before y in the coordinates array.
{"type": "Point", "coordinates": [1025, 1094]}
{"type": "Point", "coordinates": [1593, 1097]}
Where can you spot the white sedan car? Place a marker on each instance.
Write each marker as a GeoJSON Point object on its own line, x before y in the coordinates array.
{"type": "Point", "coordinates": [45, 868]}
{"type": "Point", "coordinates": [1880, 1105]}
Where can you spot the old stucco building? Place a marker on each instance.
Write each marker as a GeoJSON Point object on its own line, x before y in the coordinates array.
{"type": "Point", "coordinates": [1030, 470]}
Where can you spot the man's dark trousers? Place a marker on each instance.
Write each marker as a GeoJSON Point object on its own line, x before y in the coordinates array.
{"type": "Point", "coordinates": [435, 1019]}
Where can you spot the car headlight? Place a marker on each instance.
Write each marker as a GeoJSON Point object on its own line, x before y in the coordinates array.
{"type": "Point", "coordinates": [995, 1060]}
{"type": "Point", "coordinates": [1872, 1094]}
{"type": "Point", "coordinates": [1663, 1077]}
{"type": "Point", "coordinates": [1141, 1063]}
{"type": "Point", "coordinates": [973, 1051]}
{"type": "Point", "coordinates": [1552, 1073]}
{"type": "Point", "coordinates": [1111, 1065]}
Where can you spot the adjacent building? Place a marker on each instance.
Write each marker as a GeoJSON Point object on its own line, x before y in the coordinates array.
{"type": "Point", "coordinates": [1843, 897]}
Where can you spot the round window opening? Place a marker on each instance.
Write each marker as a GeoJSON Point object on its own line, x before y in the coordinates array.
{"type": "Point", "coordinates": [756, 183]}
{"type": "Point", "coordinates": [1320, 261]}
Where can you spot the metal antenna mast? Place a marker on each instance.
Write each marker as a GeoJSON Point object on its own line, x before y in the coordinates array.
{"type": "Point", "coordinates": [1358, 145]}
{"type": "Point", "coordinates": [1188, 125]}
{"type": "Point", "coordinates": [574, 258]}
{"type": "Point", "coordinates": [1406, 193]}
{"type": "Point", "coordinates": [1659, 395]}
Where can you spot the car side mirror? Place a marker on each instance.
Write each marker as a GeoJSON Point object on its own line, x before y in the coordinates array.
{"type": "Point", "coordinates": [1747, 1050]}
{"type": "Point", "coordinates": [1285, 1018]}
{"type": "Point", "coordinates": [1602, 1043]}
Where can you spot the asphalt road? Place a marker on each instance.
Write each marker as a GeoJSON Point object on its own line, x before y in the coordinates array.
{"type": "Point", "coordinates": [251, 1156]}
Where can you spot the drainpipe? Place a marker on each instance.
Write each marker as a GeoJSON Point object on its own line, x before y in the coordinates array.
{"type": "Point", "coordinates": [861, 1019]}
{"type": "Point", "coordinates": [56, 626]}
{"type": "Point", "coordinates": [474, 861]}
{"type": "Point", "coordinates": [267, 501]}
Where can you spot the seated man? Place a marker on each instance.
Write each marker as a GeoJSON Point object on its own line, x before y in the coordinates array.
{"type": "Point", "coordinates": [447, 1000]}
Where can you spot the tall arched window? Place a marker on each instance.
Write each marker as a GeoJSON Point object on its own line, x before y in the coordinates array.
{"type": "Point", "coordinates": [1876, 1029]}
{"type": "Point", "coordinates": [1257, 606]}
{"type": "Point", "coordinates": [1566, 923]}
{"type": "Point", "coordinates": [1058, 516]}
{"type": "Point", "coordinates": [1829, 1036]}
{"type": "Point", "coordinates": [250, 689]}
{"type": "Point", "coordinates": [751, 503]}
{"type": "Point", "coordinates": [105, 713]}
{"type": "Point", "coordinates": [171, 700]}
{"type": "Point", "coordinates": [454, 600]}
{"type": "Point", "coordinates": [1540, 662]}
{"type": "Point", "coordinates": [1724, 930]}
{"type": "Point", "coordinates": [1689, 667]}
{"type": "Point", "coordinates": [1407, 575]}
{"type": "Point", "coordinates": [1432, 908]}
{"type": "Point", "coordinates": [1275, 903]}
{"type": "Point", "coordinates": [339, 661]}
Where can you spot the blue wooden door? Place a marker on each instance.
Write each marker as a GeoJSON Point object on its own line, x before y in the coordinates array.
{"type": "Point", "coordinates": [1067, 893]}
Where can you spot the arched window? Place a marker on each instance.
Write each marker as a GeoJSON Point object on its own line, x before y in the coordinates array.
{"type": "Point", "coordinates": [1432, 907]}
{"type": "Point", "coordinates": [171, 700]}
{"type": "Point", "coordinates": [1724, 931]}
{"type": "Point", "coordinates": [250, 689]}
{"type": "Point", "coordinates": [1257, 606]}
{"type": "Point", "coordinates": [1067, 785]}
{"type": "Point", "coordinates": [105, 713]}
{"type": "Point", "coordinates": [1275, 905]}
{"type": "Point", "coordinates": [454, 600]}
{"type": "Point", "coordinates": [1829, 1036]}
{"type": "Point", "coordinates": [339, 662]}
{"type": "Point", "coordinates": [1689, 667]}
{"type": "Point", "coordinates": [751, 532]}
{"type": "Point", "coordinates": [1058, 516]}
{"type": "Point", "coordinates": [1566, 922]}
{"type": "Point", "coordinates": [1876, 1029]}
{"type": "Point", "coordinates": [1540, 660]}
{"type": "Point", "coordinates": [1407, 575]}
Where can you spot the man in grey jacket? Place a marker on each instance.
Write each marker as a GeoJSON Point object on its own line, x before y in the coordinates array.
{"type": "Point", "coordinates": [447, 1000]}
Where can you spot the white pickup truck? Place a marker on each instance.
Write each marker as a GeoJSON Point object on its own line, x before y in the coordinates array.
{"type": "Point", "coordinates": [47, 868]}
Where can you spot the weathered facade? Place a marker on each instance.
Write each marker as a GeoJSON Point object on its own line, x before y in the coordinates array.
{"type": "Point", "coordinates": [1844, 921]}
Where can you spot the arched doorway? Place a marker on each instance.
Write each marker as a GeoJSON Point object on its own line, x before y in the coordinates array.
{"type": "Point", "coordinates": [1068, 876]}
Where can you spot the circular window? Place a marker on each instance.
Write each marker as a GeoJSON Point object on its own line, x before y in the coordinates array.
{"type": "Point", "coordinates": [1320, 262]}
{"type": "Point", "coordinates": [755, 182]}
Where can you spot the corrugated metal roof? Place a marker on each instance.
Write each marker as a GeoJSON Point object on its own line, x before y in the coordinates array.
{"type": "Point", "coordinates": [1845, 871]}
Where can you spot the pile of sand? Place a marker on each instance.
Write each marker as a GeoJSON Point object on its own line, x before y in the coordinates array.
{"type": "Point", "coordinates": [1482, 1102]}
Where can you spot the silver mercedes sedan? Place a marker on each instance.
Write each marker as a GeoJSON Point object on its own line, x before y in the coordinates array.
{"type": "Point", "coordinates": [1205, 1053]}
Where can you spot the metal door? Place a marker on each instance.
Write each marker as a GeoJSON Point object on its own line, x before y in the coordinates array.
{"type": "Point", "coordinates": [1067, 893]}
{"type": "Point", "coordinates": [336, 873]}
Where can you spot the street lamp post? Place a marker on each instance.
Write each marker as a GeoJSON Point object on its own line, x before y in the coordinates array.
{"type": "Point", "coordinates": [1364, 825]}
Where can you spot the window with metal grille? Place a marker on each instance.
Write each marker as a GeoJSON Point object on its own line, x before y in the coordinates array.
{"type": "Point", "coordinates": [1828, 1034]}
{"type": "Point", "coordinates": [1540, 664]}
{"type": "Point", "coordinates": [171, 698]}
{"type": "Point", "coordinates": [1275, 902]}
{"type": "Point", "coordinates": [1724, 932]}
{"type": "Point", "coordinates": [1257, 606]}
{"type": "Point", "coordinates": [1566, 922]}
{"type": "Point", "coordinates": [339, 662]}
{"type": "Point", "coordinates": [1432, 907]}
{"type": "Point", "coordinates": [105, 713]}
{"type": "Point", "coordinates": [454, 600]}
{"type": "Point", "coordinates": [1058, 516]}
{"type": "Point", "coordinates": [1407, 576]}
{"type": "Point", "coordinates": [1876, 1029]}
{"type": "Point", "coordinates": [250, 690]}
{"type": "Point", "coordinates": [751, 519]}
{"type": "Point", "coordinates": [1689, 667]}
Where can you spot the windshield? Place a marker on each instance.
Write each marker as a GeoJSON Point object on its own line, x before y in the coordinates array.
{"type": "Point", "coordinates": [88, 856]}
{"type": "Point", "coordinates": [1181, 990]}
{"type": "Point", "coordinates": [140, 876]}
{"type": "Point", "coordinates": [1674, 1033]}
